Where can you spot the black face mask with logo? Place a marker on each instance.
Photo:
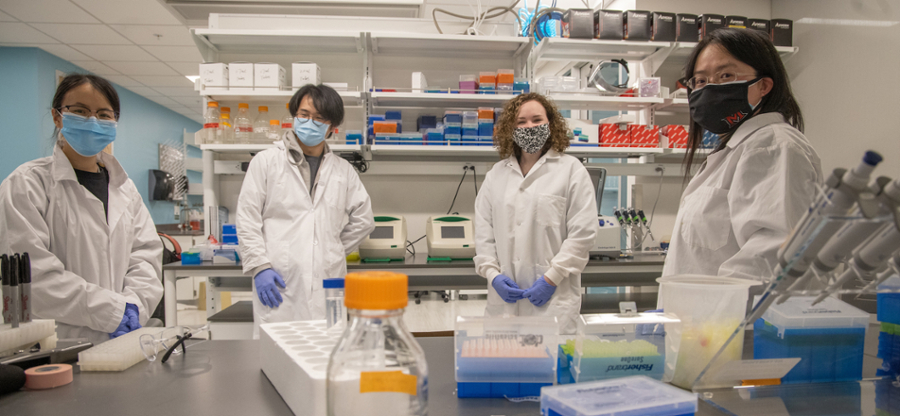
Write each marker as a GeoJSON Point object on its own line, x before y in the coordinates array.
{"type": "Point", "coordinates": [720, 108]}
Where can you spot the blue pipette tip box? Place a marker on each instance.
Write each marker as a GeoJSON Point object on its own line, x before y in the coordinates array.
{"type": "Point", "coordinates": [635, 395]}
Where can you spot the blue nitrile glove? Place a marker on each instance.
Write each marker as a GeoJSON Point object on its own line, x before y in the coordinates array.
{"type": "Point", "coordinates": [651, 329]}
{"type": "Point", "coordinates": [507, 289]}
{"type": "Point", "coordinates": [130, 321]}
{"type": "Point", "coordinates": [540, 292]}
{"type": "Point", "coordinates": [266, 288]}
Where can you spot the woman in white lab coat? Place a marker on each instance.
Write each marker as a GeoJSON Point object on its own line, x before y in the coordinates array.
{"type": "Point", "coordinates": [752, 190]}
{"type": "Point", "coordinates": [95, 255]}
{"type": "Point", "coordinates": [535, 217]}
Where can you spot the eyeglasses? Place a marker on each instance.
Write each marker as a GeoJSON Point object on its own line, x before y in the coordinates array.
{"type": "Point", "coordinates": [318, 121]}
{"type": "Point", "coordinates": [86, 112]}
{"type": "Point", "coordinates": [699, 81]}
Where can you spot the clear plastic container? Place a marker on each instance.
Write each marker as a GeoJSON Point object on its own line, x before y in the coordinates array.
{"type": "Point", "coordinates": [569, 84]}
{"type": "Point", "coordinates": [261, 126]}
{"type": "Point", "coordinates": [287, 122]}
{"type": "Point", "coordinates": [706, 325]}
{"type": "Point", "coordinates": [636, 395]}
{"type": "Point", "coordinates": [468, 84]}
{"type": "Point", "coordinates": [335, 313]}
{"type": "Point", "coordinates": [226, 130]}
{"type": "Point", "coordinates": [243, 127]}
{"type": "Point", "coordinates": [505, 76]}
{"type": "Point", "coordinates": [615, 345]}
{"type": "Point", "coordinates": [377, 367]}
{"type": "Point", "coordinates": [549, 84]}
{"type": "Point", "coordinates": [470, 117]}
{"type": "Point", "coordinates": [211, 122]}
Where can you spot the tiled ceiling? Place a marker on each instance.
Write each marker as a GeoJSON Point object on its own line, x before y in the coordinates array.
{"type": "Point", "coordinates": [137, 44]}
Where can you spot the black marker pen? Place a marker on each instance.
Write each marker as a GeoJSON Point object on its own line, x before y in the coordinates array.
{"type": "Point", "coordinates": [25, 288]}
{"type": "Point", "coordinates": [4, 272]}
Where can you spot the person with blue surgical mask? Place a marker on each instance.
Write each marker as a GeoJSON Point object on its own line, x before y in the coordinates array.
{"type": "Point", "coordinates": [301, 210]}
{"type": "Point", "coordinates": [95, 255]}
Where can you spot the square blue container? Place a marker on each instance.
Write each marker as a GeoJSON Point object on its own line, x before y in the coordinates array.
{"type": "Point", "coordinates": [470, 130]}
{"type": "Point", "coordinates": [828, 338]}
{"type": "Point", "coordinates": [190, 258]}
{"type": "Point", "coordinates": [229, 239]}
{"type": "Point", "coordinates": [426, 122]}
{"type": "Point", "coordinates": [485, 128]}
{"type": "Point", "coordinates": [889, 303]}
{"type": "Point", "coordinates": [450, 118]}
{"type": "Point", "coordinates": [453, 139]}
{"type": "Point", "coordinates": [469, 140]}
{"type": "Point", "coordinates": [229, 229]}
{"type": "Point", "coordinates": [453, 129]}
{"type": "Point", "coordinates": [392, 115]}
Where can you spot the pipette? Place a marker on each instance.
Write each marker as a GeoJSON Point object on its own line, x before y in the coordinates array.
{"type": "Point", "coordinates": [886, 196]}
{"type": "Point", "coordinates": [871, 257]}
{"type": "Point", "coordinates": [894, 269]}
{"type": "Point", "coordinates": [643, 218]}
{"type": "Point", "coordinates": [843, 188]}
{"type": "Point", "coordinates": [619, 217]}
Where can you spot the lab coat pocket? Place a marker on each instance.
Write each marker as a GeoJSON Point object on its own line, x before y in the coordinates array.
{"type": "Point", "coordinates": [706, 222]}
{"type": "Point", "coordinates": [550, 210]}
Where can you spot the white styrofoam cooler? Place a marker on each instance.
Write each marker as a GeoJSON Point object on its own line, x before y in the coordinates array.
{"type": "Point", "coordinates": [294, 356]}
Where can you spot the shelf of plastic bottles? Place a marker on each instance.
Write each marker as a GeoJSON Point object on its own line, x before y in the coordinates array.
{"type": "Point", "coordinates": [486, 151]}
{"type": "Point", "coordinates": [253, 148]}
{"type": "Point", "coordinates": [278, 41]}
{"type": "Point", "coordinates": [351, 98]}
{"type": "Point", "coordinates": [413, 44]}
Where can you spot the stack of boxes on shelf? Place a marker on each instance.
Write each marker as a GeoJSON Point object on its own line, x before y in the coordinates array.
{"type": "Point", "coordinates": [466, 128]}
{"type": "Point", "coordinates": [638, 135]}
{"type": "Point", "coordinates": [501, 82]}
{"type": "Point", "coordinates": [642, 25]}
{"type": "Point", "coordinates": [219, 77]}
{"type": "Point", "coordinates": [889, 338]}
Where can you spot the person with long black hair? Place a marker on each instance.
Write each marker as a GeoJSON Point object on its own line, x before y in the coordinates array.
{"type": "Point", "coordinates": [751, 191]}
{"type": "Point", "coordinates": [96, 259]}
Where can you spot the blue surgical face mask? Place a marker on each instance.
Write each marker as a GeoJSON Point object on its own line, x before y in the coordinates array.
{"type": "Point", "coordinates": [310, 132]}
{"type": "Point", "coordinates": [87, 136]}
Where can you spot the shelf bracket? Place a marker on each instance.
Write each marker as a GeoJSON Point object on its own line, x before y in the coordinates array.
{"type": "Point", "coordinates": [360, 46]}
{"type": "Point", "coordinates": [657, 58]}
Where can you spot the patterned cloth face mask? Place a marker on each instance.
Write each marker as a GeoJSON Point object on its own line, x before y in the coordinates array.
{"type": "Point", "coordinates": [532, 139]}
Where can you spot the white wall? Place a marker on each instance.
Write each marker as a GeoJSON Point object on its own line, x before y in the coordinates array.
{"type": "Point", "coordinates": [845, 78]}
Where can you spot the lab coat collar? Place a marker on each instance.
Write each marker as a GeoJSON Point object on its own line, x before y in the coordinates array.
{"type": "Point", "coordinates": [512, 162]}
{"type": "Point", "coordinates": [752, 125]}
{"type": "Point", "coordinates": [63, 170]}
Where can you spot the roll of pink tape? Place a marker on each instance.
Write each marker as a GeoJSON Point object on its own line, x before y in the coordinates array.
{"type": "Point", "coordinates": [48, 376]}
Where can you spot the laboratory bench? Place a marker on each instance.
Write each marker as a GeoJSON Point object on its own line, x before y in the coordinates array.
{"type": "Point", "coordinates": [641, 270]}
{"type": "Point", "coordinates": [224, 377]}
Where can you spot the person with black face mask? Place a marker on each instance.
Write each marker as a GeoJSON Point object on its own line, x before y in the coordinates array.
{"type": "Point", "coordinates": [752, 190]}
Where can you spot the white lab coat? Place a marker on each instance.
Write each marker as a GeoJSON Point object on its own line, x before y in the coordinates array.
{"type": "Point", "coordinates": [84, 270]}
{"type": "Point", "coordinates": [303, 238]}
{"type": "Point", "coordinates": [542, 224]}
{"type": "Point", "coordinates": [742, 204]}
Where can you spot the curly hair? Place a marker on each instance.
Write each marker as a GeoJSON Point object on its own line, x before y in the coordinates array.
{"type": "Point", "coordinates": [506, 125]}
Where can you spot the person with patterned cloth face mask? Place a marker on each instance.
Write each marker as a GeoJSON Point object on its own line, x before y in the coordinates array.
{"type": "Point", "coordinates": [301, 210]}
{"type": "Point", "coordinates": [535, 217]}
{"type": "Point", "coordinates": [96, 259]}
{"type": "Point", "coordinates": [748, 195]}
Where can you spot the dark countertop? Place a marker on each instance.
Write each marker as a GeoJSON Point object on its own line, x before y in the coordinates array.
{"type": "Point", "coordinates": [174, 230]}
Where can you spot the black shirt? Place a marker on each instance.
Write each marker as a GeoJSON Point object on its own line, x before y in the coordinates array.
{"type": "Point", "coordinates": [98, 184]}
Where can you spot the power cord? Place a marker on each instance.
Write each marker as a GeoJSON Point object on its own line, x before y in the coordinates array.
{"type": "Point", "coordinates": [465, 171]}
{"type": "Point", "coordinates": [474, 180]}
{"type": "Point", "coordinates": [477, 19]}
{"type": "Point", "coordinates": [662, 172]}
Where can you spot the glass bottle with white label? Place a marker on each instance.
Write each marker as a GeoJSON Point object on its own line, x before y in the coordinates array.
{"type": "Point", "coordinates": [377, 367]}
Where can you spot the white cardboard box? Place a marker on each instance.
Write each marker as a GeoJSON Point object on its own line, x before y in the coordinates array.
{"type": "Point", "coordinates": [303, 73]}
{"type": "Point", "coordinates": [214, 77]}
{"type": "Point", "coordinates": [418, 82]}
{"type": "Point", "coordinates": [268, 77]}
{"type": "Point", "coordinates": [294, 357]}
{"type": "Point", "coordinates": [240, 76]}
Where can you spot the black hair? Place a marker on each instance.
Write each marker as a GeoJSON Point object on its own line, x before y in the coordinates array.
{"type": "Point", "coordinates": [326, 100]}
{"type": "Point", "coordinates": [753, 48]}
{"type": "Point", "coordinates": [100, 84]}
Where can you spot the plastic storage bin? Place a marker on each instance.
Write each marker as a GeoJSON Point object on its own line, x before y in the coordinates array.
{"type": "Point", "coordinates": [615, 345]}
{"type": "Point", "coordinates": [828, 338]}
{"type": "Point", "coordinates": [706, 325]}
{"type": "Point", "coordinates": [468, 84]}
{"type": "Point", "coordinates": [354, 137]}
{"type": "Point", "coordinates": [889, 350]}
{"type": "Point", "coordinates": [627, 396]}
{"type": "Point", "coordinates": [889, 303]}
{"type": "Point", "coordinates": [497, 357]}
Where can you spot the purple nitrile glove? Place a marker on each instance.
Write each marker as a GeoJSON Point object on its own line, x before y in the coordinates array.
{"type": "Point", "coordinates": [266, 288]}
{"type": "Point", "coordinates": [508, 290]}
{"type": "Point", "coordinates": [540, 292]}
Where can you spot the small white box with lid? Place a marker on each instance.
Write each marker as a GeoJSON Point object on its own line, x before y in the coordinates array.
{"type": "Point", "coordinates": [268, 76]}
{"type": "Point", "coordinates": [240, 76]}
{"type": "Point", "coordinates": [303, 73]}
{"type": "Point", "coordinates": [214, 77]}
